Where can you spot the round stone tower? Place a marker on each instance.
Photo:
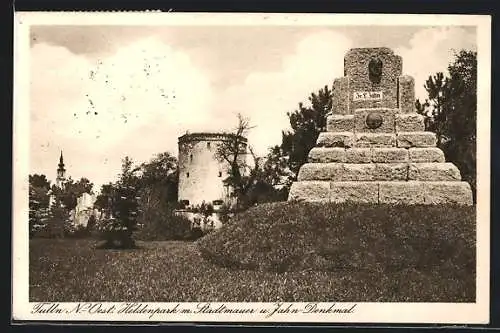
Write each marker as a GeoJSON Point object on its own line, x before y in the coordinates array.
{"type": "Point", "coordinates": [201, 173]}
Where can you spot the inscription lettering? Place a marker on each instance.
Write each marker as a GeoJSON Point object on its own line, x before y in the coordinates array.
{"type": "Point", "coordinates": [367, 96]}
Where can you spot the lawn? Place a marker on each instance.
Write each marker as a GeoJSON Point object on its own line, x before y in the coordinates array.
{"type": "Point", "coordinates": [170, 271]}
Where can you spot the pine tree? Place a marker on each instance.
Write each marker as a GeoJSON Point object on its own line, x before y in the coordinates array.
{"type": "Point", "coordinates": [38, 202]}
{"type": "Point", "coordinates": [58, 219]}
{"type": "Point", "coordinates": [307, 123]}
{"type": "Point", "coordinates": [450, 112]}
{"type": "Point", "coordinates": [121, 202]}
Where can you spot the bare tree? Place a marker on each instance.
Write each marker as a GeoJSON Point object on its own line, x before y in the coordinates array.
{"type": "Point", "coordinates": [235, 152]}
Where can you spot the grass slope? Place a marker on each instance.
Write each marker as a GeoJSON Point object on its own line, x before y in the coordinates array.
{"type": "Point", "coordinates": [432, 243]}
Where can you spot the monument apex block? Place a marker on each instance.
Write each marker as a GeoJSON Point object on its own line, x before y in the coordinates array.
{"type": "Point", "coordinates": [373, 70]}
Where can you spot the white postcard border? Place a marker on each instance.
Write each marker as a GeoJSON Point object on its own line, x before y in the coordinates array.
{"type": "Point", "coordinates": [444, 313]}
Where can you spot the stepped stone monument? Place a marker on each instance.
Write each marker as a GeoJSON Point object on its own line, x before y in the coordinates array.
{"type": "Point", "coordinates": [376, 149]}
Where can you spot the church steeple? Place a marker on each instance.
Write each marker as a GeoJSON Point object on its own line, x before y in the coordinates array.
{"type": "Point", "coordinates": [61, 172]}
{"type": "Point", "coordinates": [61, 162]}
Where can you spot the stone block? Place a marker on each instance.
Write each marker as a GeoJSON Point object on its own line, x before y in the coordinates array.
{"type": "Point", "coordinates": [367, 140]}
{"type": "Point", "coordinates": [389, 155]}
{"type": "Point", "coordinates": [310, 191]}
{"type": "Point", "coordinates": [362, 192]}
{"type": "Point", "coordinates": [335, 139]}
{"type": "Point", "coordinates": [401, 192]}
{"type": "Point", "coordinates": [426, 155]}
{"type": "Point", "coordinates": [358, 155]}
{"type": "Point", "coordinates": [406, 96]}
{"type": "Point", "coordinates": [433, 172]}
{"type": "Point", "coordinates": [385, 114]}
{"type": "Point", "coordinates": [327, 155]}
{"type": "Point", "coordinates": [448, 193]}
{"type": "Point", "coordinates": [320, 171]}
{"type": "Point", "coordinates": [410, 122]}
{"type": "Point", "coordinates": [391, 171]}
{"type": "Point", "coordinates": [340, 123]}
{"type": "Point", "coordinates": [340, 98]}
{"type": "Point", "coordinates": [416, 139]}
{"type": "Point", "coordinates": [373, 172]}
{"type": "Point", "coordinates": [357, 172]}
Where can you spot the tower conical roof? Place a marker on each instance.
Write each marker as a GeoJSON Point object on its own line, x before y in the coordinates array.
{"type": "Point", "coordinates": [61, 161]}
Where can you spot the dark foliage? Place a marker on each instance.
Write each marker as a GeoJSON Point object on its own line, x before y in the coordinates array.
{"type": "Point", "coordinates": [39, 213]}
{"type": "Point", "coordinates": [120, 204]}
{"type": "Point", "coordinates": [306, 122]}
{"type": "Point", "coordinates": [162, 224]}
{"type": "Point", "coordinates": [80, 231]}
{"type": "Point", "coordinates": [450, 112]}
{"type": "Point", "coordinates": [71, 190]}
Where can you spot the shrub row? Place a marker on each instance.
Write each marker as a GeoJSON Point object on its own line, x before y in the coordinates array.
{"type": "Point", "coordinates": [159, 228]}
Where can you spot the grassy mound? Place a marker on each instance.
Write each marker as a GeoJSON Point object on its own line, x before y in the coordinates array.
{"type": "Point", "coordinates": [292, 236]}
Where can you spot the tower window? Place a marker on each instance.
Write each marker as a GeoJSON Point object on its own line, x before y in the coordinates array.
{"type": "Point", "coordinates": [220, 173]}
{"type": "Point", "coordinates": [208, 145]}
{"type": "Point", "coordinates": [187, 174]}
{"type": "Point", "coordinates": [191, 157]}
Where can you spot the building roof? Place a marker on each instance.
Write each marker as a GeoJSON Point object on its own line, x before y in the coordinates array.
{"type": "Point", "coordinates": [203, 136]}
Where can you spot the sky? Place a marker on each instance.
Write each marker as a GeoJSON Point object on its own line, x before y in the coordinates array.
{"type": "Point", "coordinates": [99, 93]}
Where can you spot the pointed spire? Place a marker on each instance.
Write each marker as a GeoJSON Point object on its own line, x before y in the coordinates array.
{"type": "Point", "coordinates": [61, 172]}
{"type": "Point", "coordinates": [61, 162]}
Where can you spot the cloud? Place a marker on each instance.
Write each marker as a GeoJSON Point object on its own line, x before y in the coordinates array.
{"type": "Point", "coordinates": [266, 97]}
{"type": "Point", "coordinates": [431, 50]}
{"type": "Point", "coordinates": [138, 100]}
{"type": "Point", "coordinates": [99, 110]}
